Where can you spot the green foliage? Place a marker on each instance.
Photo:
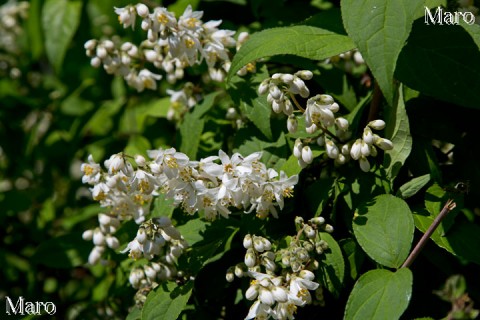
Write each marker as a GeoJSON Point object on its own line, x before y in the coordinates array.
{"type": "Point", "coordinates": [57, 109]}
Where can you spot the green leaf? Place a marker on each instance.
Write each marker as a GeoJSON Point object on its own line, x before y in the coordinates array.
{"type": "Point", "coordinates": [192, 230]}
{"type": "Point", "coordinates": [384, 229]}
{"type": "Point", "coordinates": [137, 145]}
{"type": "Point", "coordinates": [273, 153]}
{"type": "Point", "coordinates": [318, 194]}
{"type": "Point", "coordinates": [101, 122]}
{"type": "Point", "coordinates": [443, 62]}
{"type": "Point", "coordinates": [163, 207]}
{"type": "Point", "coordinates": [34, 29]}
{"type": "Point", "coordinates": [304, 41]}
{"type": "Point", "coordinates": [380, 28]}
{"type": "Point", "coordinates": [354, 257]}
{"type": "Point", "coordinates": [192, 126]}
{"type": "Point", "coordinates": [461, 240]}
{"type": "Point", "coordinates": [291, 166]}
{"type": "Point", "coordinates": [167, 302]}
{"type": "Point", "coordinates": [66, 251]}
{"type": "Point", "coordinates": [60, 20]}
{"type": "Point", "coordinates": [380, 294]}
{"type": "Point", "coordinates": [411, 188]}
{"type": "Point", "coordinates": [332, 266]}
{"type": "Point", "coordinates": [398, 131]}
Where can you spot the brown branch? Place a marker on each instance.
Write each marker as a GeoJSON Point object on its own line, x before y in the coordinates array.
{"type": "Point", "coordinates": [449, 206]}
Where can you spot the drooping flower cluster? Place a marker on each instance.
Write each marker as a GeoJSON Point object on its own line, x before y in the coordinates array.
{"type": "Point", "coordinates": [320, 119]}
{"type": "Point", "coordinates": [155, 238]}
{"type": "Point", "coordinates": [172, 45]}
{"type": "Point", "coordinates": [212, 186]}
{"type": "Point", "coordinates": [279, 288]}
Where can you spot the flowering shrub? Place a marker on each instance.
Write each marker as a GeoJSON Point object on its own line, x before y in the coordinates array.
{"type": "Point", "coordinates": [240, 160]}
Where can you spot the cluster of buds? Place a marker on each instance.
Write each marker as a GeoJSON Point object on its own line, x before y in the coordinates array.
{"type": "Point", "coordinates": [320, 119]}
{"type": "Point", "coordinates": [11, 13]}
{"type": "Point", "coordinates": [211, 186]}
{"type": "Point", "coordinates": [347, 60]}
{"type": "Point", "coordinates": [280, 288]}
{"type": "Point", "coordinates": [171, 45]}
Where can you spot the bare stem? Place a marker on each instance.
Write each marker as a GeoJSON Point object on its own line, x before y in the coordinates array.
{"type": "Point", "coordinates": [375, 104]}
{"type": "Point", "coordinates": [449, 206]}
{"type": "Point", "coordinates": [296, 102]}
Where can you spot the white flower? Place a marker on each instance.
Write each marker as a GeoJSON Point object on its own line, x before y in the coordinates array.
{"type": "Point", "coordinates": [91, 171]}
{"type": "Point", "coordinates": [377, 124]}
{"type": "Point", "coordinates": [307, 154]}
{"type": "Point", "coordinates": [126, 16]}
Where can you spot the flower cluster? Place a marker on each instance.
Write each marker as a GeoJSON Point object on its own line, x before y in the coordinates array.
{"type": "Point", "coordinates": [181, 101]}
{"type": "Point", "coordinates": [212, 185]}
{"type": "Point", "coordinates": [155, 237]}
{"type": "Point", "coordinates": [172, 45]}
{"type": "Point", "coordinates": [280, 288]}
{"type": "Point", "coordinates": [11, 15]}
{"type": "Point", "coordinates": [320, 119]}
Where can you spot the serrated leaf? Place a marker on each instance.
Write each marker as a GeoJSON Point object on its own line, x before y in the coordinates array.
{"type": "Point", "coordinates": [411, 188]}
{"type": "Point", "coordinates": [167, 302]}
{"type": "Point", "coordinates": [60, 20]}
{"type": "Point", "coordinates": [380, 294]}
{"type": "Point", "coordinates": [384, 229]}
{"type": "Point", "coordinates": [192, 230]}
{"type": "Point", "coordinates": [291, 166]}
{"type": "Point", "coordinates": [380, 28]}
{"type": "Point", "coordinates": [398, 131]}
{"type": "Point", "coordinates": [304, 41]}
{"type": "Point", "coordinates": [332, 266]}
{"type": "Point", "coordinates": [442, 62]}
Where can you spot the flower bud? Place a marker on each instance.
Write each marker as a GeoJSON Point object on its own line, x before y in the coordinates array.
{"type": "Point", "coordinates": [112, 242]}
{"type": "Point", "coordinates": [364, 164]}
{"type": "Point", "coordinates": [384, 144]}
{"type": "Point", "coordinates": [247, 241]}
{"type": "Point", "coordinates": [342, 123]}
{"type": "Point", "coordinates": [334, 107]}
{"type": "Point", "coordinates": [87, 235]}
{"type": "Point", "coordinates": [309, 232]}
{"type": "Point", "coordinates": [142, 10]}
{"type": "Point", "coordinates": [312, 129]}
{"type": "Point", "coordinates": [321, 141]}
{"type": "Point", "coordinates": [252, 292]}
{"type": "Point", "coordinates": [304, 74]}
{"type": "Point", "coordinates": [258, 244]}
{"type": "Point", "coordinates": [275, 92]}
{"type": "Point", "coordinates": [98, 238]}
{"type": "Point", "coordinates": [140, 160]}
{"type": "Point", "coordinates": [307, 154]}
{"type": "Point", "coordinates": [297, 148]}
{"type": "Point", "coordinates": [280, 294]}
{"type": "Point", "coordinates": [266, 296]}
{"type": "Point", "coordinates": [90, 44]}
{"type": "Point", "coordinates": [263, 87]}
{"type": "Point", "coordinates": [292, 124]}
{"type": "Point", "coordinates": [150, 272]}
{"type": "Point", "coordinates": [332, 149]}
{"type": "Point", "coordinates": [250, 258]}
{"type": "Point", "coordinates": [377, 124]}
{"type": "Point", "coordinates": [307, 275]}
{"type": "Point", "coordinates": [367, 135]}
{"type": "Point", "coordinates": [318, 220]}
{"type": "Point", "coordinates": [238, 270]}
{"type": "Point", "coordinates": [355, 150]}
{"type": "Point", "coordinates": [365, 149]}
{"type": "Point", "coordinates": [229, 275]}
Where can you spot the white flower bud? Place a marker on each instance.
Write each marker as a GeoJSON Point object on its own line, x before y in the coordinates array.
{"type": "Point", "coordinates": [377, 124]}
{"type": "Point", "coordinates": [247, 241]}
{"type": "Point", "coordinates": [252, 292]}
{"type": "Point", "coordinates": [357, 57]}
{"type": "Point", "coordinates": [269, 265]}
{"type": "Point", "coordinates": [334, 107]}
{"type": "Point", "coordinates": [332, 149]}
{"type": "Point", "coordinates": [277, 106]}
{"type": "Point", "coordinates": [304, 74]}
{"type": "Point", "coordinates": [297, 148]}
{"type": "Point", "coordinates": [150, 55]}
{"type": "Point", "coordinates": [373, 151]}
{"type": "Point", "coordinates": [109, 45]}
{"type": "Point", "coordinates": [95, 254]}
{"type": "Point", "coordinates": [309, 232]}
{"type": "Point", "coordinates": [345, 149]}
{"type": "Point", "coordinates": [341, 159]}
{"type": "Point", "coordinates": [307, 275]}
{"type": "Point", "coordinates": [101, 52]}
{"type": "Point", "coordinates": [302, 88]}
{"type": "Point", "coordinates": [288, 107]}
{"type": "Point", "coordinates": [324, 99]}
{"type": "Point", "coordinates": [355, 150]}
{"type": "Point", "coordinates": [307, 154]}
{"type": "Point", "coordinates": [318, 220]}
{"type": "Point", "coordinates": [286, 77]}
{"type": "Point", "coordinates": [367, 135]}
{"type": "Point", "coordinates": [302, 163]}
{"type": "Point", "coordinates": [98, 238]}
{"type": "Point", "coordinates": [230, 276]}
{"type": "Point", "coordinates": [250, 258]}
{"type": "Point", "coordinates": [112, 242]}
{"type": "Point", "coordinates": [142, 10]}
{"type": "Point", "coordinates": [342, 123]}
{"type": "Point", "coordinates": [365, 149]}
{"type": "Point", "coordinates": [364, 164]}
{"type": "Point", "coordinates": [150, 272]}
{"type": "Point", "coordinates": [104, 219]}
{"type": "Point", "coordinates": [90, 44]}
{"type": "Point", "coordinates": [275, 92]}
{"type": "Point", "coordinates": [263, 87]}
{"type": "Point", "coordinates": [140, 160]}
{"type": "Point", "coordinates": [384, 144]}
{"type": "Point", "coordinates": [258, 244]}
{"type": "Point", "coordinates": [141, 235]}
{"type": "Point", "coordinates": [87, 235]}
{"type": "Point", "coordinates": [328, 228]}
{"type": "Point", "coordinates": [292, 124]}
{"type": "Point", "coordinates": [239, 271]}
{"type": "Point", "coordinates": [95, 62]}
{"type": "Point", "coordinates": [267, 245]}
